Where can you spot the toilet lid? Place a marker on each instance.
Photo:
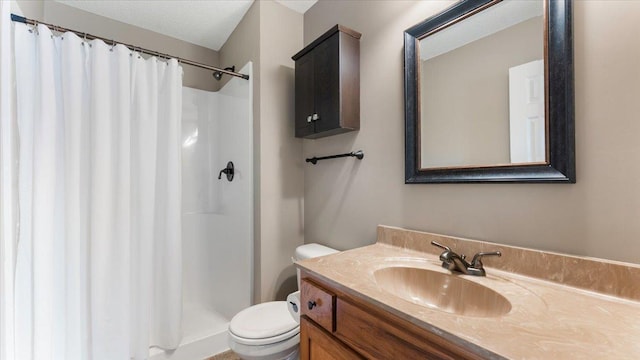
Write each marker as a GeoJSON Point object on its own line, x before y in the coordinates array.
{"type": "Point", "coordinates": [264, 323]}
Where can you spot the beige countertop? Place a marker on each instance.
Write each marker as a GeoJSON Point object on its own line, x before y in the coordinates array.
{"type": "Point", "coordinates": [548, 320]}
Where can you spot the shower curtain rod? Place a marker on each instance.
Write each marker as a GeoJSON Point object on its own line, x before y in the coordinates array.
{"type": "Point", "coordinates": [22, 19]}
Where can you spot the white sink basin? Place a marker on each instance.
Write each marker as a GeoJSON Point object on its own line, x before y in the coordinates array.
{"type": "Point", "coordinates": [441, 291]}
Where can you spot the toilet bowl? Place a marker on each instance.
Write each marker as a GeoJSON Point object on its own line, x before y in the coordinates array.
{"type": "Point", "coordinates": [271, 330]}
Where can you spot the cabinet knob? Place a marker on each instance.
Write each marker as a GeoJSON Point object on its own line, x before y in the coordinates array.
{"type": "Point", "coordinates": [309, 118]}
{"type": "Point", "coordinates": [315, 117]}
{"type": "Point", "coordinates": [311, 304]}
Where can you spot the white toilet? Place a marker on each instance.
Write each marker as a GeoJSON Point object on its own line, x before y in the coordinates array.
{"type": "Point", "coordinates": [271, 330]}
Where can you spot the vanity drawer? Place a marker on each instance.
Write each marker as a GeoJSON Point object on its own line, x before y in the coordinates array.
{"type": "Point", "coordinates": [319, 304]}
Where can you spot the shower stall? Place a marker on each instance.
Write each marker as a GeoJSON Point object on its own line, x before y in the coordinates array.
{"type": "Point", "coordinates": [119, 231]}
{"type": "Point", "coordinates": [217, 215]}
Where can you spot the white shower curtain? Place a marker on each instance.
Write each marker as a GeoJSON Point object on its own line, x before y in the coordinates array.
{"type": "Point", "coordinates": [98, 273]}
{"type": "Point", "coordinates": [8, 186]}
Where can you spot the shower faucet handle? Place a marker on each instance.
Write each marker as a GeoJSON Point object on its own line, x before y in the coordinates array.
{"type": "Point", "coordinates": [229, 171]}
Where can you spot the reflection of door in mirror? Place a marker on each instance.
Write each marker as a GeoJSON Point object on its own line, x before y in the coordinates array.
{"type": "Point", "coordinates": [464, 82]}
{"type": "Point", "coordinates": [526, 113]}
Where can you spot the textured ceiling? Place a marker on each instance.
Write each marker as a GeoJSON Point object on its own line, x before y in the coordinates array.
{"type": "Point", "coordinates": [206, 23]}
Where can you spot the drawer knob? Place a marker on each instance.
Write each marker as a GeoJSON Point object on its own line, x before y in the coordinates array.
{"type": "Point", "coordinates": [311, 304]}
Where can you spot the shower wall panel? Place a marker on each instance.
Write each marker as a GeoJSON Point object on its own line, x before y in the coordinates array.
{"type": "Point", "coordinates": [217, 223]}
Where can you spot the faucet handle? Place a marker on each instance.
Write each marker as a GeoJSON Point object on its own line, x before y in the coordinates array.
{"type": "Point", "coordinates": [445, 248]}
{"type": "Point", "coordinates": [477, 258]}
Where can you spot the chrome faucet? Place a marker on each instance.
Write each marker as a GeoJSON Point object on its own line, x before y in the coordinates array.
{"type": "Point", "coordinates": [454, 262]}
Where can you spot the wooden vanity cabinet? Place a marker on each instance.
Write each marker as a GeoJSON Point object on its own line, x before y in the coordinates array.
{"type": "Point", "coordinates": [327, 84]}
{"type": "Point", "coordinates": [356, 329]}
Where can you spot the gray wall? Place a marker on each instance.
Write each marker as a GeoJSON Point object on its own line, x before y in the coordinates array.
{"type": "Point", "coordinates": [281, 167]}
{"type": "Point", "coordinates": [242, 46]}
{"type": "Point", "coordinates": [268, 35]}
{"type": "Point", "coordinates": [345, 199]}
{"type": "Point", "coordinates": [66, 16]}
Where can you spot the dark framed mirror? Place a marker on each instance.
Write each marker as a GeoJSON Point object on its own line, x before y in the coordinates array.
{"type": "Point", "coordinates": [489, 94]}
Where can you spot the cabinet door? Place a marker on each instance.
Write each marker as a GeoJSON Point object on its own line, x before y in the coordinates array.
{"type": "Point", "coordinates": [317, 344]}
{"type": "Point", "coordinates": [379, 338]}
{"type": "Point", "coordinates": [326, 57]}
{"type": "Point", "coordinates": [304, 96]}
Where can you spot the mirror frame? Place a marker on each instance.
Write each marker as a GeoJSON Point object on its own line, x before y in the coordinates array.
{"type": "Point", "coordinates": [558, 40]}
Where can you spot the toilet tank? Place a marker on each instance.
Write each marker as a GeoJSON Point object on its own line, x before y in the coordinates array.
{"type": "Point", "coordinates": [308, 251]}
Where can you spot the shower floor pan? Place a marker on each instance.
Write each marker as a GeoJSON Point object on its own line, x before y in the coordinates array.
{"type": "Point", "coordinates": [204, 335]}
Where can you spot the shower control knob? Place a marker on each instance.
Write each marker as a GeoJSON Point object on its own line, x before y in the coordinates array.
{"type": "Point", "coordinates": [315, 117]}
{"type": "Point", "coordinates": [311, 304]}
{"type": "Point", "coordinates": [229, 171]}
{"type": "Point", "coordinates": [309, 118]}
